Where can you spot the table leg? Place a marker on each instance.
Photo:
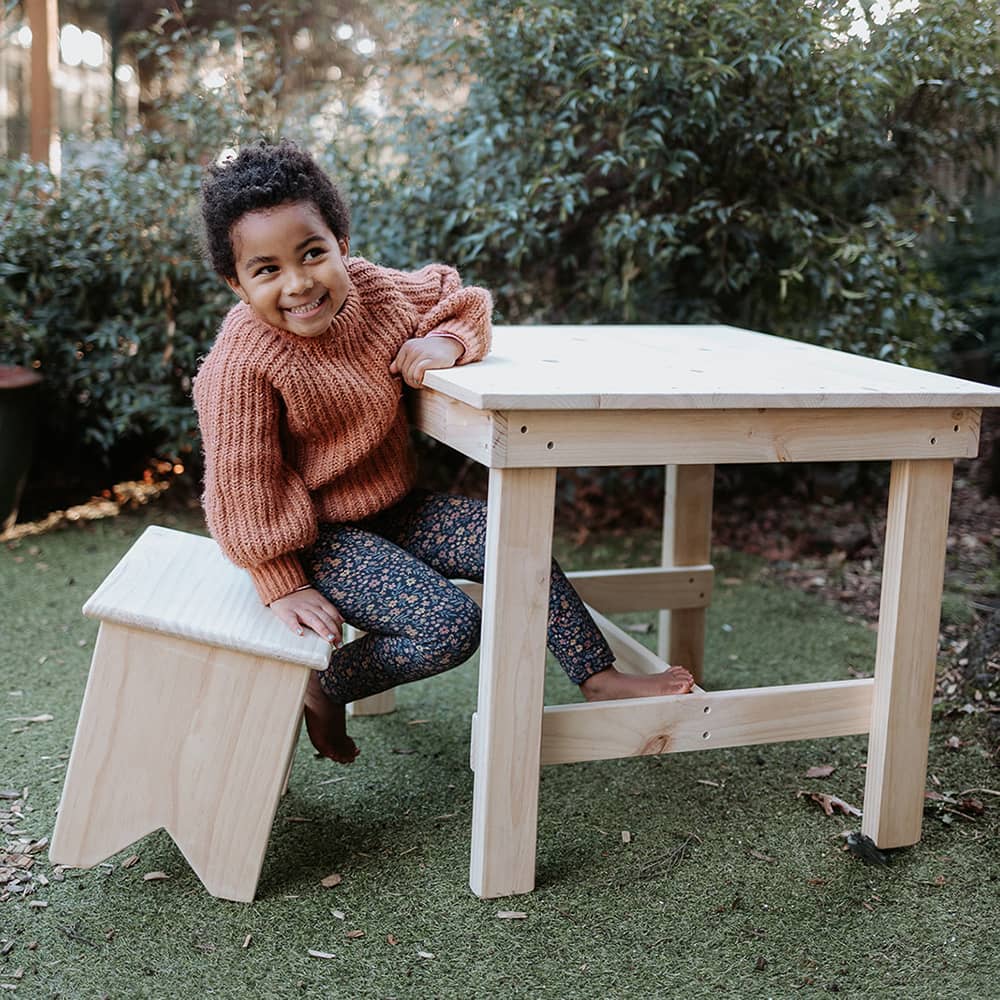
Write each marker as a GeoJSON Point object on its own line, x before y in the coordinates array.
{"type": "Point", "coordinates": [905, 659]}
{"type": "Point", "coordinates": [511, 681]}
{"type": "Point", "coordinates": [687, 541]}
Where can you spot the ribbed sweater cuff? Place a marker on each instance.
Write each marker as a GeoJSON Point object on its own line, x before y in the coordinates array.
{"type": "Point", "coordinates": [467, 337]}
{"type": "Point", "coordinates": [278, 577]}
{"type": "Point", "coordinates": [451, 336]}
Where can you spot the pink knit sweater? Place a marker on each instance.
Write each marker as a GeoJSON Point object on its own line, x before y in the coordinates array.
{"type": "Point", "coordinates": [300, 430]}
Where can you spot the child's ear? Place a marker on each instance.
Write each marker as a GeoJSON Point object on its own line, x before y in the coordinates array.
{"type": "Point", "coordinates": [235, 285]}
{"type": "Point", "coordinates": [344, 242]}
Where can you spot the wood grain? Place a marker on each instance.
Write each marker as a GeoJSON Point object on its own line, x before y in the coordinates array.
{"type": "Point", "coordinates": [179, 584]}
{"type": "Point", "coordinates": [687, 367]}
{"type": "Point", "coordinates": [906, 655]}
{"type": "Point", "coordinates": [511, 680]}
{"type": "Point", "coordinates": [179, 735]}
{"type": "Point", "coordinates": [687, 540]}
{"type": "Point", "coordinates": [705, 720]}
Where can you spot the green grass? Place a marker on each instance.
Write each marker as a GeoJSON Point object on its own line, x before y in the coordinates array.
{"type": "Point", "coordinates": [730, 886]}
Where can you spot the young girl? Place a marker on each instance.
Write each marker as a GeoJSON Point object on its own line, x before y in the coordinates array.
{"type": "Point", "coordinates": [309, 473]}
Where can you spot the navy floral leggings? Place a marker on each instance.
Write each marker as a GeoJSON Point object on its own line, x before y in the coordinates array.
{"type": "Point", "coordinates": [390, 575]}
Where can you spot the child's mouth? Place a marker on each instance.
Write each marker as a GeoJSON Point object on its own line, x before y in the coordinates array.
{"type": "Point", "coordinates": [309, 309]}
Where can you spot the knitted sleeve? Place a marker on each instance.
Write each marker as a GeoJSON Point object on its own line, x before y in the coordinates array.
{"type": "Point", "coordinates": [257, 508]}
{"type": "Point", "coordinates": [445, 307]}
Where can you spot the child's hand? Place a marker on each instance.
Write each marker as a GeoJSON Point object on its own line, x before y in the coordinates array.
{"type": "Point", "coordinates": [310, 608]}
{"type": "Point", "coordinates": [424, 353]}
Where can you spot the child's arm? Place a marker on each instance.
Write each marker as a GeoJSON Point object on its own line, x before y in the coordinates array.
{"type": "Point", "coordinates": [444, 307]}
{"type": "Point", "coordinates": [257, 507]}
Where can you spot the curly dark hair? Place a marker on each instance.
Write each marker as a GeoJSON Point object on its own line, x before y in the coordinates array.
{"type": "Point", "coordinates": [264, 175]}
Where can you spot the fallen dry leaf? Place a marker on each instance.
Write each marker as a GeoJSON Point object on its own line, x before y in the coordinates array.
{"type": "Point", "coordinates": [425, 954]}
{"type": "Point", "coordinates": [32, 718]}
{"type": "Point", "coordinates": [830, 802]}
{"type": "Point", "coordinates": [331, 880]}
{"type": "Point", "coordinates": [626, 837]}
{"type": "Point", "coordinates": [354, 935]}
{"type": "Point", "coordinates": [512, 915]}
{"type": "Point", "coordinates": [321, 954]}
{"type": "Point", "coordinates": [761, 856]}
{"type": "Point", "coordinates": [247, 940]}
{"type": "Point", "coordinates": [154, 876]}
{"type": "Point", "coordinates": [38, 904]}
{"type": "Point", "coordinates": [338, 914]}
{"type": "Point", "coordinates": [952, 743]}
{"type": "Point", "coordinates": [391, 939]}
{"type": "Point", "coordinates": [820, 771]}
{"type": "Point", "coordinates": [130, 861]}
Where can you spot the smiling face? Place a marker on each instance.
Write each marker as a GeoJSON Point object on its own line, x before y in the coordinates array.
{"type": "Point", "coordinates": [290, 268]}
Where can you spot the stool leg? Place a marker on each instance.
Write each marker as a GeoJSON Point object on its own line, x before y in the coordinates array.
{"type": "Point", "coordinates": [291, 757]}
{"type": "Point", "coordinates": [511, 681]}
{"type": "Point", "coordinates": [906, 656]}
{"type": "Point", "coordinates": [188, 737]}
{"type": "Point", "coordinates": [687, 541]}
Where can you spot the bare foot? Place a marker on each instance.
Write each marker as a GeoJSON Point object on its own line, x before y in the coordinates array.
{"type": "Point", "coordinates": [326, 724]}
{"type": "Point", "coordinates": [612, 684]}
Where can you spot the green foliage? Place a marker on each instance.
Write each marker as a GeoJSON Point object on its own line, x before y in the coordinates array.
{"type": "Point", "coordinates": [105, 295]}
{"type": "Point", "coordinates": [968, 266]}
{"type": "Point", "coordinates": [687, 161]}
{"type": "Point", "coordinates": [650, 161]}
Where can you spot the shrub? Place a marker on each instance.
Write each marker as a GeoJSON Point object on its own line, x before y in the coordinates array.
{"type": "Point", "coordinates": [967, 263]}
{"type": "Point", "coordinates": [651, 161]}
{"type": "Point", "coordinates": [692, 161]}
{"type": "Point", "coordinates": [105, 295]}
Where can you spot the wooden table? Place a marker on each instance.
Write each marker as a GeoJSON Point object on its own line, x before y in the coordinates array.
{"type": "Point", "coordinates": [689, 397]}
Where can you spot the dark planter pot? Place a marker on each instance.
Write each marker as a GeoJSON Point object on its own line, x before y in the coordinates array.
{"type": "Point", "coordinates": [18, 389]}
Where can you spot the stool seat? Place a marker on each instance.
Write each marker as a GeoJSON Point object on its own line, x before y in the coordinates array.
{"type": "Point", "coordinates": [190, 715]}
{"type": "Point", "coordinates": [180, 584]}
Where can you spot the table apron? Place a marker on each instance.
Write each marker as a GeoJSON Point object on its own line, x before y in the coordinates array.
{"type": "Point", "coordinates": [571, 438]}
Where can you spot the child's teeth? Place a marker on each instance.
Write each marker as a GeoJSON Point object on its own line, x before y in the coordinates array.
{"type": "Point", "coordinates": [306, 308]}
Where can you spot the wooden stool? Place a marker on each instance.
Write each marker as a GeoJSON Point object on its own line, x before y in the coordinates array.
{"type": "Point", "coordinates": [190, 715]}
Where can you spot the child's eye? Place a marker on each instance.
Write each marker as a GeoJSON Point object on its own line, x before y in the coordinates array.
{"type": "Point", "coordinates": [266, 269]}
{"type": "Point", "coordinates": [313, 252]}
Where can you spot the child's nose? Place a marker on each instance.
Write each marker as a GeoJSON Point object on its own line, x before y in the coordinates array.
{"type": "Point", "coordinates": [298, 282]}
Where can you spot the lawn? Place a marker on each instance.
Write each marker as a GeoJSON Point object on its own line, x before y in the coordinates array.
{"type": "Point", "coordinates": [694, 875]}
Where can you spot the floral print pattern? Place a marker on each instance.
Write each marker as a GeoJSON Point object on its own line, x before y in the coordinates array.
{"type": "Point", "coordinates": [390, 576]}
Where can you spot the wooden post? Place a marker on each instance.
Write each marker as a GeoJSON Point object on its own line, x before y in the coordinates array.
{"type": "Point", "coordinates": [43, 19]}
{"type": "Point", "coordinates": [511, 681]}
{"type": "Point", "coordinates": [687, 541]}
{"type": "Point", "coordinates": [906, 656]}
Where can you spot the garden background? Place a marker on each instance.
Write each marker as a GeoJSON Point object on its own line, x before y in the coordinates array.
{"type": "Point", "coordinates": [819, 170]}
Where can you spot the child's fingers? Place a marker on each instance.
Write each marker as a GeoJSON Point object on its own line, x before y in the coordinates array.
{"type": "Point", "coordinates": [324, 625]}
